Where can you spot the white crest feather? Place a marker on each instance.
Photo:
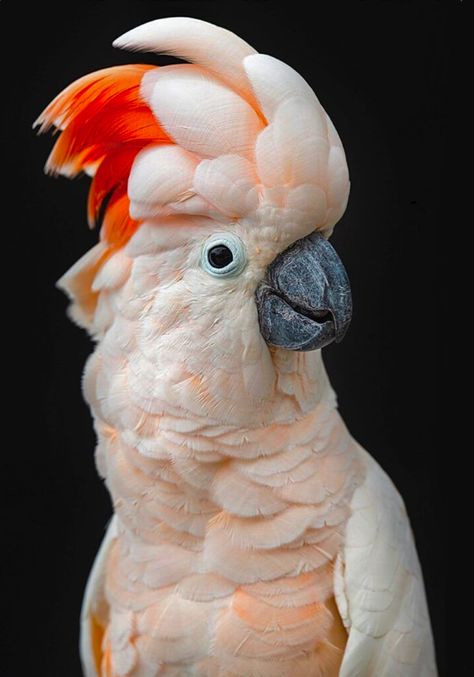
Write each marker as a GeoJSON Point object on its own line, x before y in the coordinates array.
{"type": "Point", "coordinates": [216, 49]}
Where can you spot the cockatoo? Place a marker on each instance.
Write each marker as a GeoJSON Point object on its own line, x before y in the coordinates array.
{"type": "Point", "coordinates": [252, 536]}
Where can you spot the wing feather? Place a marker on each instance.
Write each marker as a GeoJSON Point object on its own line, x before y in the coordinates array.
{"type": "Point", "coordinates": [379, 587]}
{"type": "Point", "coordinates": [94, 613]}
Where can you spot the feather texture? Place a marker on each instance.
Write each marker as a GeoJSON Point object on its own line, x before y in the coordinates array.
{"type": "Point", "coordinates": [380, 587]}
{"type": "Point", "coordinates": [242, 504]}
{"type": "Point", "coordinates": [200, 113]}
{"type": "Point", "coordinates": [216, 49]}
{"type": "Point", "coordinates": [104, 123]}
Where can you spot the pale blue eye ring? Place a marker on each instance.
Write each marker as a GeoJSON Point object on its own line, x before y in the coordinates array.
{"type": "Point", "coordinates": [223, 255]}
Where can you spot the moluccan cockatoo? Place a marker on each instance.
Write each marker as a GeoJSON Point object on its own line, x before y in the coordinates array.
{"type": "Point", "coordinates": [252, 536]}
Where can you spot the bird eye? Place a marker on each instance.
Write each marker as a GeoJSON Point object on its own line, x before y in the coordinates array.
{"type": "Point", "coordinates": [224, 255]}
{"type": "Point", "coordinates": [220, 256]}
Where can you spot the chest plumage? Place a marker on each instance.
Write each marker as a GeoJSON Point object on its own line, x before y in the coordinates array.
{"type": "Point", "coordinates": [251, 537]}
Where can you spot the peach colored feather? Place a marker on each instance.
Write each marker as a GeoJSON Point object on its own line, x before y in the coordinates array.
{"type": "Point", "coordinates": [233, 478]}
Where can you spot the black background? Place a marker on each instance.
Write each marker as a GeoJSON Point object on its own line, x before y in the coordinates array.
{"type": "Point", "coordinates": [394, 77]}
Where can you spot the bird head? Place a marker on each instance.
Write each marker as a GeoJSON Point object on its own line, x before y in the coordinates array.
{"type": "Point", "coordinates": [219, 182]}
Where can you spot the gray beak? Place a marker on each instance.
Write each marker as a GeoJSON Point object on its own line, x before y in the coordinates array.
{"type": "Point", "coordinates": [305, 302]}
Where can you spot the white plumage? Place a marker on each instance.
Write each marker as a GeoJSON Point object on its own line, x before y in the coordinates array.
{"type": "Point", "coordinates": [252, 535]}
{"type": "Point", "coordinates": [379, 586]}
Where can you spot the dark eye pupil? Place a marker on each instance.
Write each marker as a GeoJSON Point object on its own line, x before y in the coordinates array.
{"type": "Point", "coordinates": [219, 256]}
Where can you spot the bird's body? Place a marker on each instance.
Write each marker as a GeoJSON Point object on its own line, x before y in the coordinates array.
{"type": "Point", "coordinates": [252, 536]}
{"type": "Point", "coordinates": [228, 533]}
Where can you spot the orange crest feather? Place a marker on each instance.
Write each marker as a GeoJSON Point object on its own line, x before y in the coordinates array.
{"type": "Point", "coordinates": [104, 123]}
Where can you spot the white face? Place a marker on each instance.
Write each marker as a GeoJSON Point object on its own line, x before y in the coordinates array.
{"type": "Point", "coordinates": [189, 329]}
